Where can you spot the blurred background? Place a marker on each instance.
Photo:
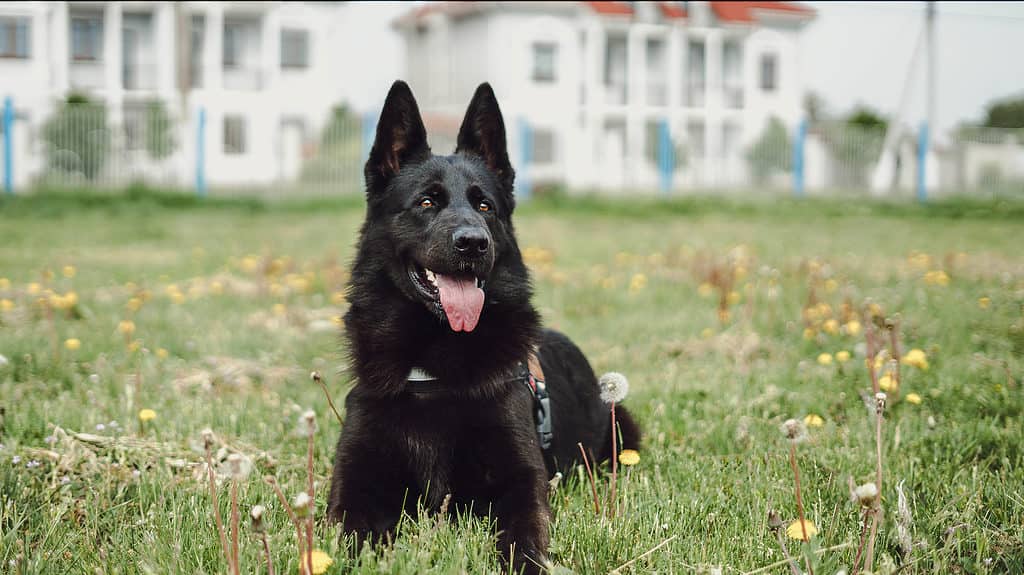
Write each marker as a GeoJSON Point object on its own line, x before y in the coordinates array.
{"type": "Point", "coordinates": [912, 99]}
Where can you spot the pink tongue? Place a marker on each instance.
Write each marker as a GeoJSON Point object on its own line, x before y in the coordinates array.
{"type": "Point", "coordinates": [462, 301]}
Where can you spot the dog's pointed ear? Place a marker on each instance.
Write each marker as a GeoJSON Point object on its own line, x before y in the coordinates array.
{"type": "Point", "coordinates": [401, 137]}
{"type": "Point", "coordinates": [483, 134]}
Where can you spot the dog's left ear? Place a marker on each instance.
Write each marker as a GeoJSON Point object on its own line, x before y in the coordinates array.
{"type": "Point", "coordinates": [483, 134]}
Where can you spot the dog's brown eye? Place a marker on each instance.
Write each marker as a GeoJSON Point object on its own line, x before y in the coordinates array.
{"type": "Point", "coordinates": [426, 203]}
{"type": "Point", "coordinates": [484, 207]}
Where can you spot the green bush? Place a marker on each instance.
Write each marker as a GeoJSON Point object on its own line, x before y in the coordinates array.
{"type": "Point", "coordinates": [772, 153]}
{"type": "Point", "coordinates": [77, 137]}
{"type": "Point", "coordinates": [340, 151]}
{"type": "Point", "coordinates": [159, 136]}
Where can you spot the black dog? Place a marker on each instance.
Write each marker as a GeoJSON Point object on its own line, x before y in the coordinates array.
{"type": "Point", "coordinates": [440, 329]}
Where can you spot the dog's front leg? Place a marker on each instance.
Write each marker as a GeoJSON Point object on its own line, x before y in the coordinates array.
{"type": "Point", "coordinates": [524, 516]}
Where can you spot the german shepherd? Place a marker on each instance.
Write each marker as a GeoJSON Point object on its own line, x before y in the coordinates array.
{"type": "Point", "coordinates": [440, 330]}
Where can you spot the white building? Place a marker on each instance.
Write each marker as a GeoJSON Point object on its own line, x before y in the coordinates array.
{"type": "Point", "coordinates": [267, 76]}
{"type": "Point", "coordinates": [594, 81]}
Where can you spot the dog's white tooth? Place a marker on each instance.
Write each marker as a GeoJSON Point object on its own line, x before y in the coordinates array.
{"type": "Point", "coordinates": [430, 276]}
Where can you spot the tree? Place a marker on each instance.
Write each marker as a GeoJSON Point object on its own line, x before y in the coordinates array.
{"type": "Point", "coordinates": [1008, 113]}
{"type": "Point", "coordinates": [815, 107]}
{"type": "Point", "coordinates": [77, 137]}
{"type": "Point", "coordinates": [159, 136]}
{"type": "Point", "coordinates": [341, 149]}
{"type": "Point", "coordinates": [855, 144]}
{"type": "Point", "coordinates": [772, 152]}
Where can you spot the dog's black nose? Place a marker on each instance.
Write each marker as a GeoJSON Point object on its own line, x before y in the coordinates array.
{"type": "Point", "coordinates": [471, 242]}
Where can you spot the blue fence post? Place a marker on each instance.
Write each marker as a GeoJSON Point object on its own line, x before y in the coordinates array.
{"type": "Point", "coordinates": [201, 153]}
{"type": "Point", "coordinates": [8, 145]}
{"type": "Point", "coordinates": [798, 158]}
{"type": "Point", "coordinates": [525, 187]}
{"type": "Point", "coordinates": [666, 157]}
{"type": "Point", "coordinates": [369, 125]}
{"type": "Point", "coordinates": [922, 155]}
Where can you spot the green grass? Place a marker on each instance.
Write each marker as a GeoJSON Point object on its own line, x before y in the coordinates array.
{"type": "Point", "coordinates": [710, 397]}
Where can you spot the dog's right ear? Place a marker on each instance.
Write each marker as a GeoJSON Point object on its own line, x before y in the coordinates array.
{"type": "Point", "coordinates": [401, 137]}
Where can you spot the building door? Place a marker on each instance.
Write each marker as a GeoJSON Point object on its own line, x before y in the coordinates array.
{"type": "Point", "coordinates": [290, 157]}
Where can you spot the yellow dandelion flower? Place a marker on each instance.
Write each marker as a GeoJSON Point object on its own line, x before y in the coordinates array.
{"type": "Point", "coordinates": [796, 531]}
{"type": "Point", "coordinates": [126, 327]}
{"type": "Point", "coordinates": [69, 271]}
{"type": "Point", "coordinates": [147, 415]}
{"type": "Point", "coordinates": [279, 309]}
{"type": "Point", "coordinates": [733, 298]}
{"type": "Point", "coordinates": [216, 287]}
{"type": "Point", "coordinates": [916, 358]}
{"type": "Point", "coordinates": [5, 283]}
{"type": "Point", "coordinates": [134, 346]}
{"type": "Point", "coordinates": [321, 562]}
{"type": "Point", "coordinates": [887, 384]}
{"type": "Point", "coordinates": [825, 359]}
{"type": "Point", "coordinates": [914, 398]}
{"type": "Point", "coordinates": [47, 275]}
{"type": "Point", "coordinates": [637, 282]}
{"type": "Point", "coordinates": [705, 289]}
{"type": "Point", "coordinates": [984, 302]}
{"type": "Point", "coordinates": [250, 264]}
{"type": "Point", "coordinates": [629, 457]}
{"type": "Point", "coordinates": [831, 285]}
{"type": "Point", "coordinates": [853, 327]}
{"type": "Point", "coordinates": [809, 333]}
{"type": "Point", "coordinates": [134, 304]}
{"type": "Point", "coordinates": [276, 289]}
{"type": "Point", "coordinates": [707, 333]}
{"type": "Point", "coordinates": [6, 305]}
{"type": "Point", "coordinates": [34, 288]}
{"type": "Point", "coordinates": [842, 356]}
{"type": "Point", "coordinates": [178, 297]}
{"type": "Point", "coordinates": [814, 420]}
{"type": "Point", "coordinates": [161, 353]}
{"type": "Point", "coordinates": [831, 326]}
{"type": "Point", "coordinates": [72, 344]}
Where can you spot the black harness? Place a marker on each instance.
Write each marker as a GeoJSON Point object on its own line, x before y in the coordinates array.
{"type": "Point", "coordinates": [422, 383]}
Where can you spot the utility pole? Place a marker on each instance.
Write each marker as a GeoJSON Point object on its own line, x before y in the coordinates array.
{"type": "Point", "coordinates": [932, 57]}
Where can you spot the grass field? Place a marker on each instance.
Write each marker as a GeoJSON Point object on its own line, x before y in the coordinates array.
{"type": "Point", "coordinates": [231, 304]}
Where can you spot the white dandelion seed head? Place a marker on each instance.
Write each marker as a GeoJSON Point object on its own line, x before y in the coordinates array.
{"type": "Point", "coordinates": [307, 422]}
{"type": "Point", "coordinates": [880, 398]}
{"type": "Point", "coordinates": [302, 504]}
{"type": "Point", "coordinates": [866, 494]}
{"type": "Point", "coordinates": [3, 360]}
{"type": "Point", "coordinates": [614, 387]}
{"type": "Point", "coordinates": [94, 378]}
{"type": "Point", "coordinates": [315, 376]}
{"type": "Point", "coordinates": [239, 466]}
{"type": "Point", "coordinates": [256, 515]}
{"type": "Point", "coordinates": [794, 430]}
{"type": "Point", "coordinates": [207, 435]}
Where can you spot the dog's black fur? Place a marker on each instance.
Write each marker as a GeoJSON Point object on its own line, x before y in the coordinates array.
{"type": "Point", "coordinates": [471, 433]}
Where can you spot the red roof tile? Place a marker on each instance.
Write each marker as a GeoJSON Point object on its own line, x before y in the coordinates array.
{"type": "Point", "coordinates": [611, 8]}
{"type": "Point", "coordinates": [672, 10]}
{"type": "Point", "coordinates": [744, 11]}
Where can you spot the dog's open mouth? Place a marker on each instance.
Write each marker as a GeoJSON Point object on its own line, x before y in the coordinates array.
{"type": "Point", "coordinates": [460, 297]}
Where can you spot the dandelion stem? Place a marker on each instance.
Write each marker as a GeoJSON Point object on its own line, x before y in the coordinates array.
{"type": "Point", "coordinates": [785, 552]}
{"type": "Point", "coordinates": [869, 556]}
{"type": "Point", "coordinates": [323, 386]}
{"type": "Point", "coordinates": [863, 538]}
{"type": "Point", "coordinates": [612, 500]}
{"type": "Point", "coordinates": [272, 481]}
{"type": "Point", "coordinates": [799, 501]}
{"type": "Point", "coordinates": [216, 506]}
{"type": "Point", "coordinates": [309, 520]}
{"type": "Point", "coordinates": [590, 475]}
{"type": "Point", "coordinates": [266, 551]}
{"type": "Point", "coordinates": [234, 527]}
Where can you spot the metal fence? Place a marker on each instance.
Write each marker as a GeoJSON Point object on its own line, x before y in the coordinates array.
{"type": "Point", "coordinates": [80, 144]}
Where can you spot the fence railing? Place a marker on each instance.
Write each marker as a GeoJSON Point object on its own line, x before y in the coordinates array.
{"type": "Point", "coordinates": [88, 145]}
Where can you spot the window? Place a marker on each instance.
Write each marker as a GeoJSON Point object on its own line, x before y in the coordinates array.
{"type": "Point", "coordinates": [197, 34]}
{"type": "Point", "coordinates": [87, 37]}
{"type": "Point", "coordinates": [232, 44]}
{"type": "Point", "coordinates": [769, 72]}
{"type": "Point", "coordinates": [14, 38]}
{"type": "Point", "coordinates": [543, 147]}
{"type": "Point", "coordinates": [294, 49]}
{"type": "Point", "coordinates": [544, 56]}
{"type": "Point", "coordinates": [695, 73]}
{"type": "Point", "coordinates": [234, 135]}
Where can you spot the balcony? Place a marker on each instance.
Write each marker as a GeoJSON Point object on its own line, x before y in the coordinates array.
{"type": "Point", "coordinates": [243, 53]}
